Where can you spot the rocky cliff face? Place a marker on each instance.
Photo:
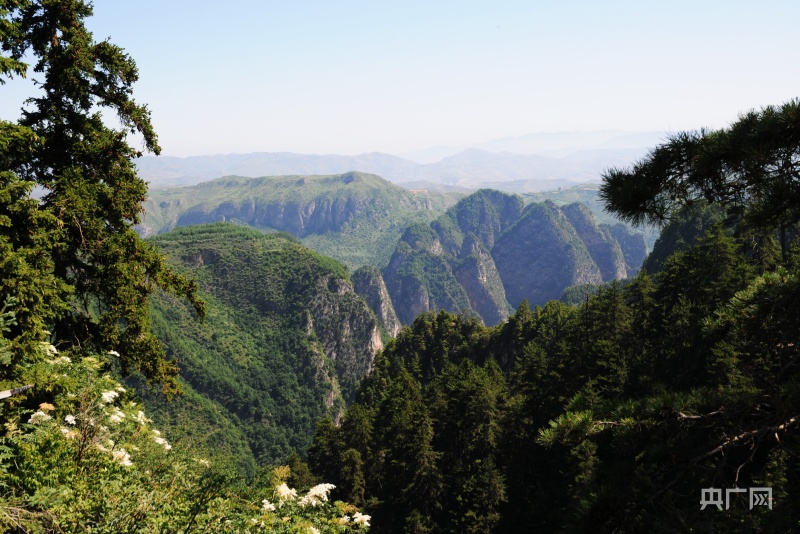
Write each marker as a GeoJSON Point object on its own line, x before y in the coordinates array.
{"type": "Point", "coordinates": [447, 264]}
{"type": "Point", "coordinates": [285, 341]}
{"type": "Point", "coordinates": [368, 284]}
{"type": "Point", "coordinates": [420, 276]}
{"type": "Point", "coordinates": [602, 247]}
{"type": "Point", "coordinates": [347, 331]}
{"type": "Point", "coordinates": [477, 274]}
{"type": "Point", "coordinates": [488, 253]}
{"type": "Point", "coordinates": [541, 255]}
{"type": "Point", "coordinates": [633, 245]}
{"type": "Point", "coordinates": [299, 218]}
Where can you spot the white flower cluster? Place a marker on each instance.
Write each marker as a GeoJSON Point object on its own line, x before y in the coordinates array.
{"type": "Point", "coordinates": [39, 417]}
{"type": "Point", "coordinates": [361, 519]}
{"type": "Point", "coordinates": [285, 493]}
{"type": "Point", "coordinates": [163, 442]}
{"type": "Point", "coordinates": [358, 518]}
{"type": "Point", "coordinates": [316, 495]}
{"type": "Point", "coordinates": [69, 433]}
{"type": "Point", "coordinates": [109, 396]}
{"type": "Point", "coordinates": [267, 506]}
{"type": "Point", "coordinates": [122, 456]}
{"type": "Point", "coordinates": [116, 416]}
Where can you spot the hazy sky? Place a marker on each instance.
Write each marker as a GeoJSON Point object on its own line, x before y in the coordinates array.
{"type": "Point", "coordinates": [358, 76]}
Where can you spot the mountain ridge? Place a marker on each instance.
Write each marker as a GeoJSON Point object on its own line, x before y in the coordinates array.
{"type": "Point", "coordinates": [354, 217]}
{"type": "Point", "coordinates": [561, 159]}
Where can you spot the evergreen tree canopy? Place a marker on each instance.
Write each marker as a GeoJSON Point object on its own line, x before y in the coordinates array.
{"type": "Point", "coordinates": [72, 259]}
{"type": "Point", "coordinates": [751, 167]}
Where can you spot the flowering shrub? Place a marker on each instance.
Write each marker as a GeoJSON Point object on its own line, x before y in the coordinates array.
{"type": "Point", "coordinates": [312, 512]}
{"type": "Point", "coordinates": [89, 460]}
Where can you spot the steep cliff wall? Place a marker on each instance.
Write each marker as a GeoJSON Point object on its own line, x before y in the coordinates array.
{"type": "Point", "coordinates": [541, 255]}
{"type": "Point", "coordinates": [633, 245]}
{"type": "Point", "coordinates": [477, 274]}
{"type": "Point", "coordinates": [603, 248]}
{"type": "Point", "coordinates": [486, 254]}
{"type": "Point", "coordinates": [369, 284]}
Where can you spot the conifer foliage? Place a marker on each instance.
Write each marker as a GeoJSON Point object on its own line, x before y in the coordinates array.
{"type": "Point", "coordinates": [72, 260]}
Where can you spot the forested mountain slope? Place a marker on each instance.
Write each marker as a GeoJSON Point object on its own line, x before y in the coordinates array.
{"type": "Point", "coordinates": [285, 340]}
{"type": "Point", "coordinates": [78, 451]}
{"type": "Point", "coordinates": [353, 217]}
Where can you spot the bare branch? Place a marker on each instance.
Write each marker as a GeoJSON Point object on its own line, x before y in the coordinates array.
{"type": "Point", "coordinates": [743, 436]}
{"type": "Point", "coordinates": [682, 416]}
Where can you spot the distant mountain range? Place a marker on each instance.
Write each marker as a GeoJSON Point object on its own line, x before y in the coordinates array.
{"type": "Point", "coordinates": [554, 144]}
{"type": "Point", "coordinates": [166, 171]}
{"type": "Point", "coordinates": [531, 163]}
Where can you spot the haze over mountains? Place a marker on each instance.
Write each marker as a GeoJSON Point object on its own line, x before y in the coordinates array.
{"type": "Point", "coordinates": [529, 163]}
{"type": "Point", "coordinates": [554, 144]}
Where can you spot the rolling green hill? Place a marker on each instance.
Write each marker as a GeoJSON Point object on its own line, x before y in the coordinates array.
{"type": "Point", "coordinates": [355, 217]}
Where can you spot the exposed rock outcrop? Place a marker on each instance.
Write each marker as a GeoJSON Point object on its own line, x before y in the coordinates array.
{"type": "Point", "coordinates": [541, 255]}
{"type": "Point", "coordinates": [347, 331]}
{"type": "Point", "coordinates": [447, 264]}
{"type": "Point", "coordinates": [369, 285]}
{"type": "Point", "coordinates": [490, 252]}
{"type": "Point", "coordinates": [478, 275]}
{"type": "Point", "coordinates": [420, 278]}
{"type": "Point", "coordinates": [633, 245]}
{"type": "Point", "coordinates": [604, 249]}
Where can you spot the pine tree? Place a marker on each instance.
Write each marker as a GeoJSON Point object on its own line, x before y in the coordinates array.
{"type": "Point", "coordinates": [83, 241]}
